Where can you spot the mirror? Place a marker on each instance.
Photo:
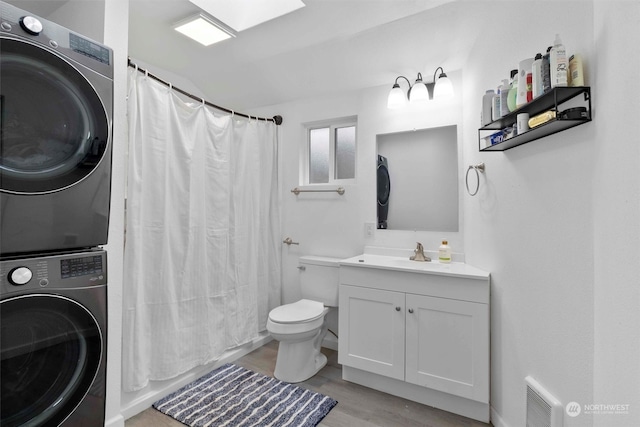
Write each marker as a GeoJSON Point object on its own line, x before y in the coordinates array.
{"type": "Point", "coordinates": [418, 180]}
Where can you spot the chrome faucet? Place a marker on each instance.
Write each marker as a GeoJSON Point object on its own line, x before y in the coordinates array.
{"type": "Point", "coordinates": [419, 254]}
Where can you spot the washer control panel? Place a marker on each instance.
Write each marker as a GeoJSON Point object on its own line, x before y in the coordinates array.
{"type": "Point", "coordinates": [62, 271]}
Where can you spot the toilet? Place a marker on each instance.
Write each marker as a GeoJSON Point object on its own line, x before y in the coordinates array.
{"type": "Point", "coordinates": [300, 326]}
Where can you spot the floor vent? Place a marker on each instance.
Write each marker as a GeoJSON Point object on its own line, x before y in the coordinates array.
{"type": "Point", "coordinates": [543, 410]}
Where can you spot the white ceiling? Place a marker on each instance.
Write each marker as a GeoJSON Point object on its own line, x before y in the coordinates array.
{"type": "Point", "coordinates": [325, 47]}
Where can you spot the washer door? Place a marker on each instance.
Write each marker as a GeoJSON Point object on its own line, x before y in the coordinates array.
{"type": "Point", "coordinates": [51, 348]}
{"type": "Point", "coordinates": [53, 127]}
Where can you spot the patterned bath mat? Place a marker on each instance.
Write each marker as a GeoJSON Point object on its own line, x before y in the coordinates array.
{"type": "Point", "coordinates": [234, 396]}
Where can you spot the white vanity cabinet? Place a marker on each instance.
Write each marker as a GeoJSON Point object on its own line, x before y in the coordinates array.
{"type": "Point", "coordinates": [422, 335]}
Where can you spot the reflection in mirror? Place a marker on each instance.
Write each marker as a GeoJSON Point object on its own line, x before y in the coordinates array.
{"type": "Point", "coordinates": [418, 180]}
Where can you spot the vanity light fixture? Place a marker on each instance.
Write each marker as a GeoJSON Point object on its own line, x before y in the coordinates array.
{"type": "Point", "coordinates": [443, 86]}
{"type": "Point", "coordinates": [396, 98]}
{"type": "Point", "coordinates": [203, 29]}
{"type": "Point", "coordinates": [420, 92]}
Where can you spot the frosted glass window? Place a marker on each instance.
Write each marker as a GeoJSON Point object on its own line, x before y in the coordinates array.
{"type": "Point", "coordinates": [329, 152]}
{"type": "Point", "coordinates": [345, 153]}
{"type": "Point", "coordinates": [319, 147]}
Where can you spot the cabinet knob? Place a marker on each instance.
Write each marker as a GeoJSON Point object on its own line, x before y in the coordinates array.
{"type": "Point", "coordinates": [411, 310]}
{"type": "Point", "coordinates": [397, 308]}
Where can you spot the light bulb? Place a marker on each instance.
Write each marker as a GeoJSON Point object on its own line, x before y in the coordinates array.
{"type": "Point", "coordinates": [397, 98]}
{"type": "Point", "coordinates": [443, 88]}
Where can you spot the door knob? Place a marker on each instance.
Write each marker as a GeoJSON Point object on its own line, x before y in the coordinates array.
{"type": "Point", "coordinates": [411, 310]}
{"type": "Point", "coordinates": [397, 308]}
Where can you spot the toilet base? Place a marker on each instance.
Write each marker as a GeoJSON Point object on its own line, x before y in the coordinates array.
{"type": "Point", "coordinates": [299, 361]}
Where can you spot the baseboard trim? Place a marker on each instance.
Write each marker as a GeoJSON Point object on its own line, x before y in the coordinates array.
{"type": "Point", "coordinates": [496, 419]}
{"type": "Point", "coordinates": [136, 402]}
{"type": "Point", "coordinates": [117, 421]}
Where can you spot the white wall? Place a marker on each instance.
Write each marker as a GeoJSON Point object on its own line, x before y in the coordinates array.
{"type": "Point", "coordinates": [616, 211]}
{"type": "Point", "coordinates": [87, 18]}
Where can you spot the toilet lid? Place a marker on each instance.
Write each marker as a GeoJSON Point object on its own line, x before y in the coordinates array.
{"type": "Point", "coordinates": [301, 311]}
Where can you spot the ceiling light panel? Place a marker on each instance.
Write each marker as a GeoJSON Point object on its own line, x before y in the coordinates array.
{"type": "Point", "coordinates": [203, 30]}
{"type": "Point", "coordinates": [243, 14]}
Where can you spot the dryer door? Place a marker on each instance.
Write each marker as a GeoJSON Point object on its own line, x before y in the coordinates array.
{"type": "Point", "coordinates": [53, 127]}
{"type": "Point", "coordinates": [51, 349]}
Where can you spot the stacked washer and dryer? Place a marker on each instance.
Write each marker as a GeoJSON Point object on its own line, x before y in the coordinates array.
{"type": "Point", "coordinates": [55, 183]}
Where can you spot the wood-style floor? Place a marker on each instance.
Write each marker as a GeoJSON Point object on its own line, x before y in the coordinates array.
{"type": "Point", "coordinates": [357, 406]}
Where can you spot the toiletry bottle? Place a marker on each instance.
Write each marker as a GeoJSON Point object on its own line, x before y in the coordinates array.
{"type": "Point", "coordinates": [576, 72]}
{"type": "Point", "coordinates": [536, 76]}
{"type": "Point", "coordinates": [486, 107]}
{"type": "Point", "coordinates": [504, 94]}
{"type": "Point", "coordinates": [523, 69]}
{"type": "Point", "coordinates": [558, 63]}
{"type": "Point", "coordinates": [444, 252]}
{"type": "Point", "coordinates": [513, 92]}
{"type": "Point", "coordinates": [546, 72]}
{"type": "Point", "coordinates": [495, 106]}
{"type": "Point", "coordinates": [529, 87]}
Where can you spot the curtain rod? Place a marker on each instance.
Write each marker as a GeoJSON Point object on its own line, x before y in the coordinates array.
{"type": "Point", "coordinates": [276, 119]}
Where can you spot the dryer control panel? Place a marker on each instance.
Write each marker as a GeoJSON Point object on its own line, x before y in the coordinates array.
{"type": "Point", "coordinates": [23, 24]}
{"type": "Point", "coordinates": [60, 271]}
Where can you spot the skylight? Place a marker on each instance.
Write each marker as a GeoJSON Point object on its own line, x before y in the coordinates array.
{"type": "Point", "coordinates": [243, 14]}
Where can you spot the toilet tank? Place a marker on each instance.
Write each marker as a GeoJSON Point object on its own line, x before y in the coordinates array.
{"type": "Point", "coordinates": [320, 279]}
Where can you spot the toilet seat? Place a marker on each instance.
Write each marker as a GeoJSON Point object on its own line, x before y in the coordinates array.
{"type": "Point", "coordinates": [298, 312]}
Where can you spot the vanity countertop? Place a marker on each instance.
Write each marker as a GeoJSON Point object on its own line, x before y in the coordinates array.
{"type": "Point", "coordinates": [398, 263]}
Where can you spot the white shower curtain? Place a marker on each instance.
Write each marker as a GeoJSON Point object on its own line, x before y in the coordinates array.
{"type": "Point", "coordinates": [202, 253]}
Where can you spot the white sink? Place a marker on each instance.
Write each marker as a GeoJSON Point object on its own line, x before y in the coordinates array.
{"type": "Point", "coordinates": [385, 262]}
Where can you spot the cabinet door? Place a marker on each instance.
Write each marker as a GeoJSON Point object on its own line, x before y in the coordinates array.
{"type": "Point", "coordinates": [448, 346]}
{"type": "Point", "coordinates": [372, 330]}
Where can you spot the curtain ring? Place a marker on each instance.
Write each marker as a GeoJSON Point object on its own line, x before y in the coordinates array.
{"type": "Point", "coordinates": [203, 102]}
{"type": "Point", "coordinates": [146, 74]}
{"type": "Point", "coordinates": [478, 167]}
{"type": "Point", "coordinates": [170, 87]}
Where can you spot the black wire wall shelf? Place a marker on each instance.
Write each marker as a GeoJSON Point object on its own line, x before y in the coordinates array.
{"type": "Point", "coordinates": [557, 100]}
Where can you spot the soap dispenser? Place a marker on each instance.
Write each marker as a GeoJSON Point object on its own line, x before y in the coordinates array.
{"type": "Point", "coordinates": [444, 252]}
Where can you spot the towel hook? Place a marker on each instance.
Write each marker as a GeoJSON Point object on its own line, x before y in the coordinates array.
{"type": "Point", "coordinates": [478, 167]}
